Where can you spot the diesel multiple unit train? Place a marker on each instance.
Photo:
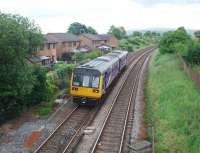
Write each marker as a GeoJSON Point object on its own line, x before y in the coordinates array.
{"type": "Point", "coordinates": [90, 81]}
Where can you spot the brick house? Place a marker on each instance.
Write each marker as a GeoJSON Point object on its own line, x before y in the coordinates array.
{"type": "Point", "coordinates": [57, 44]}
{"type": "Point", "coordinates": [94, 41]}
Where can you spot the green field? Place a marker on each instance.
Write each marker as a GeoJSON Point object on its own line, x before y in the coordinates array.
{"type": "Point", "coordinates": [173, 104]}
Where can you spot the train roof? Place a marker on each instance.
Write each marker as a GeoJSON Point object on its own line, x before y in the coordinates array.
{"type": "Point", "coordinates": [102, 63]}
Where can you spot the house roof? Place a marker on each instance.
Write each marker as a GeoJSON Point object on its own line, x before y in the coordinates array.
{"type": "Point", "coordinates": [36, 59]}
{"type": "Point", "coordinates": [61, 37]}
{"type": "Point", "coordinates": [97, 37]}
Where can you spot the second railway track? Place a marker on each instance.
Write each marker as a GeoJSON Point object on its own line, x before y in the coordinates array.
{"type": "Point", "coordinates": [111, 137]}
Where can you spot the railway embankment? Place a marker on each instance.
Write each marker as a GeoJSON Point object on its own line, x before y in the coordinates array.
{"type": "Point", "coordinates": [172, 106]}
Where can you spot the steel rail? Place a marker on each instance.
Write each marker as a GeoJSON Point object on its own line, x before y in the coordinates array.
{"type": "Point", "coordinates": [115, 99]}
{"type": "Point", "coordinates": [129, 104]}
{"type": "Point", "coordinates": [49, 137]}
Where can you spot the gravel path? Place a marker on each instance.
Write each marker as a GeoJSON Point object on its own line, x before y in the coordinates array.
{"type": "Point", "coordinates": [18, 140]}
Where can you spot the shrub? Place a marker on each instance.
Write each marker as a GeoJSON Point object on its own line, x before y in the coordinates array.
{"type": "Point", "coordinates": [51, 80]}
{"type": "Point", "coordinates": [93, 54]}
{"type": "Point", "coordinates": [40, 91]}
{"type": "Point", "coordinates": [44, 111]}
{"type": "Point", "coordinates": [63, 72]}
{"type": "Point", "coordinates": [126, 45]}
{"type": "Point", "coordinates": [175, 41]}
{"type": "Point", "coordinates": [193, 54]}
{"type": "Point", "coordinates": [84, 57]}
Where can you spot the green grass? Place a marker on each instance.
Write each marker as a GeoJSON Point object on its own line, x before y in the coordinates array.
{"type": "Point", "coordinates": [173, 104]}
{"type": "Point", "coordinates": [46, 108]}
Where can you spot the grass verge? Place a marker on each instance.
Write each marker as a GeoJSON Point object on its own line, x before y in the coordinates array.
{"type": "Point", "coordinates": [173, 104]}
{"type": "Point", "coordinates": [46, 108]}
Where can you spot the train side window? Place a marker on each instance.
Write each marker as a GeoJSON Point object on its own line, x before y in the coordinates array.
{"type": "Point", "coordinates": [95, 82]}
{"type": "Point", "coordinates": [86, 80]}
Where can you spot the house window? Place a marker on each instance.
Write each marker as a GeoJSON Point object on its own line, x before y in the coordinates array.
{"type": "Point", "coordinates": [74, 44]}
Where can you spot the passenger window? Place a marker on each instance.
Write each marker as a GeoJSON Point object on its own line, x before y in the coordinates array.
{"type": "Point", "coordinates": [86, 81]}
{"type": "Point", "coordinates": [95, 82]}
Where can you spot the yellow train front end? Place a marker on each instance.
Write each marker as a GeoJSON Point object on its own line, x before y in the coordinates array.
{"type": "Point", "coordinates": [86, 87]}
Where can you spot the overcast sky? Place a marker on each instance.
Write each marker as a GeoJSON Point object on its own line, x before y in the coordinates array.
{"type": "Point", "coordinates": [56, 15]}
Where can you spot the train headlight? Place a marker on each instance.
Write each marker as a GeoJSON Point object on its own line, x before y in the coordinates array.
{"type": "Point", "coordinates": [74, 88]}
{"type": "Point", "coordinates": [95, 90]}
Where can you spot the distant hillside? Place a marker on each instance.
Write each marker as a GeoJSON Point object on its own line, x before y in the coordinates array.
{"type": "Point", "coordinates": [160, 30]}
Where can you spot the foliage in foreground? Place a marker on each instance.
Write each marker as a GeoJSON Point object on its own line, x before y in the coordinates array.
{"type": "Point", "coordinates": [18, 38]}
{"type": "Point", "coordinates": [173, 104]}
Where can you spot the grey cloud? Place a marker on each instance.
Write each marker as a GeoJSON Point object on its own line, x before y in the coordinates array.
{"type": "Point", "coordinates": [154, 2]}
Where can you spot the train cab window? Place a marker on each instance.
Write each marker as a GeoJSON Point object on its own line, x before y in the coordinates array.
{"type": "Point", "coordinates": [86, 81]}
{"type": "Point", "coordinates": [95, 82]}
{"type": "Point", "coordinates": [77, 80]}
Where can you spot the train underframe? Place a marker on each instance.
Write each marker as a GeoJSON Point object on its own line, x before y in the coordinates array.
{"type": "Point", "coordinates": [86, 101]}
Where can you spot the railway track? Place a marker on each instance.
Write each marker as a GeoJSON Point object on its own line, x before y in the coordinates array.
{"type": "Point", "coordinates": [111, 136]}
{"type": "Point", "coordinates": [62, 139]}
{"type": "Point", "coordinates": [63, 135]}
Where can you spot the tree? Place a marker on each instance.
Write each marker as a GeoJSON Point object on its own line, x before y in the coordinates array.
{"type": "Point", "coordinates": [126, 45]}
{"type": "Point", "coordinates": [78, 28]}
{"type": "Point", "coordinates": [137, 34]}
{"type": "Point", "coordinates": [148, 34]}
{"type": "Point", "coordinates": [118, 32]}
{"type": "Point", "coordinates": [18, 37]}
{"type": "Point", "coordinates": [91, 30]}
{"type": "Point", "coordinates": [175, 41]}
{"type": "Point", "coordinates": [193, 54]}
{"type": "Point", "coordinates": [40, 91]}
{"type": "Point", "coordinates": [197, 35]}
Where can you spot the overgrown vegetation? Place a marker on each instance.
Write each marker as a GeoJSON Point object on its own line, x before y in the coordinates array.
{"type": "Point", "coordinates": [139, 40]}
{"type": "Point", "coordinates": [181, 42]}
{"type": "Point", "coordinates": [81, 58]}
{"type": "Point", "coordinates": [18, 38]}
{"type": "Point", "coordinates": [173, 105]}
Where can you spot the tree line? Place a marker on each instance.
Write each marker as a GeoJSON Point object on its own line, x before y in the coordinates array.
{"type": "Point", "coordinates": [179, 41]}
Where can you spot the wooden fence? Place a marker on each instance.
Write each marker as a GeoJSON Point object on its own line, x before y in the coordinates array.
{"type": "Point", "coordinates": [195, 76]}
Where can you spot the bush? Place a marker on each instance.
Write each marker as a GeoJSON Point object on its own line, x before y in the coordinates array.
{"type": "Point", "coordinates": [126, 45]}
{"type": "Point", "coordinates": [85, 57]}
{"type": "Point", "coordinates": [63, 72]}
{"type": "Point", "coordinates": [193, 54]}
{"type": "Point", "coordinates": [175, 41]}
{"type": "Point", "coordinates": [40, 90]}
{"type": "Point", "coordinates": [51, 80]}
{"type": "Point", "coordinates": [44, 111]}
